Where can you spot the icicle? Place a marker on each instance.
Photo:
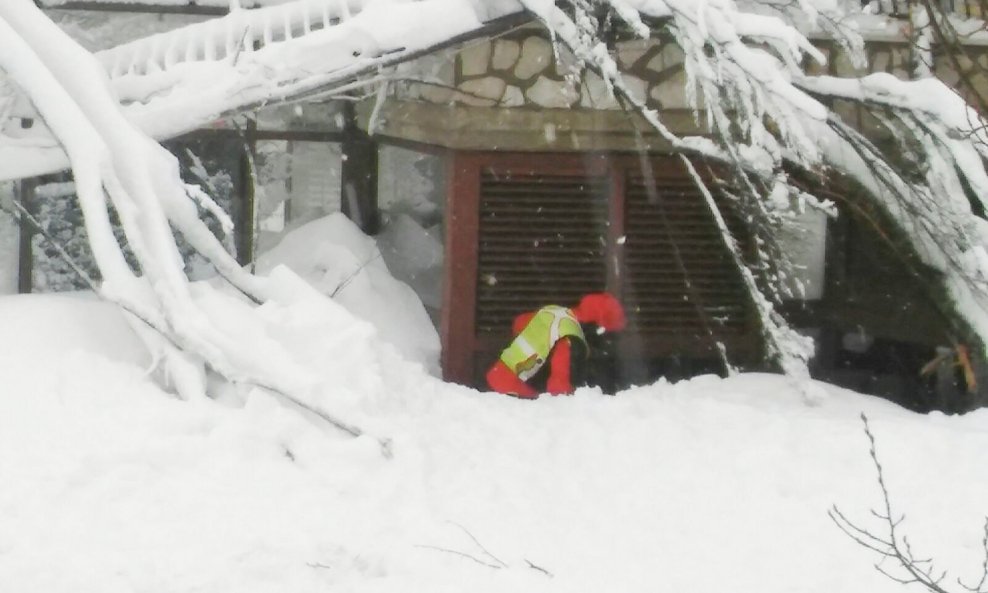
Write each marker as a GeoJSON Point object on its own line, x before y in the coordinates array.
{"type": "Point", "coordinates": [190, 48]}
{"type": "Point", "coordinates": [306, 20]}
{"type": "Point", "coordinates": [268, 35]}
{"type": "Point", "coordinates": [209, 41]}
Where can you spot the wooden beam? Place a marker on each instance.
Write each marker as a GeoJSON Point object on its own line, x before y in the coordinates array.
{"type": "Point", "coordinates": [358, 175]}
{"type": "Point", "coordinates": [24, 193]}
{"type": "Point", "coordinates": [246, 220]}
{"type": "Point", "coordinates": [460, 269]}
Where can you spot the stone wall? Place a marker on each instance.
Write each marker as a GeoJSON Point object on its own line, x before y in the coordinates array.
{"type": "Point", "coordinates": [521, 70]}
{"type": "Point", "coordinates": [511, 93]}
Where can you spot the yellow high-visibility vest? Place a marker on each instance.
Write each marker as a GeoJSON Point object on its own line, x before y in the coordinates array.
{"type": "Point", "coordinates": [530, 349]}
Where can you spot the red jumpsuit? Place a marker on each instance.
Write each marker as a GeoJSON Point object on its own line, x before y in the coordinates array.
{"type": "Point", "coordinates": [599, 308]}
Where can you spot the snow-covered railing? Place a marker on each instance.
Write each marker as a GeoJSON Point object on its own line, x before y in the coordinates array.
{"type": "Point", "coordinates": [968, 9]}
{"type": "Point", "coordinates": [226, 37]}
{"type": "Point", "coordinates": [174, 82]}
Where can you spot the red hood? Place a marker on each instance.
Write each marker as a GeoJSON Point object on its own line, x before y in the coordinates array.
{"type": "Point", "coordinates": [603, 309]}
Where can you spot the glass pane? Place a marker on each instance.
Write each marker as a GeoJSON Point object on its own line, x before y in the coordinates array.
{"type": "Point", "coordinates": [297, 182]}
{"type": "Point", "coordinates": [411, 193]}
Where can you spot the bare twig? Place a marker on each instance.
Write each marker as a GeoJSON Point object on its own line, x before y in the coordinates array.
{"type": "Point", "coordinates": [462, 554]}
{"type": "Point", "coordinates": [353, 274]}
{"type": "Point", "coordinates": [538, 568]}
{"type": "Point", "coordinates": [480, 545]}
{"type": "Point", "coordinates": [979, 588]}
{"type": "Point", "coordinates": [894, 545]}
{"type": "Point", "coordinates": [319, 565]}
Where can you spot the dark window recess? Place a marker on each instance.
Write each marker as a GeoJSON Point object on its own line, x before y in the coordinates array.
{"type": "Point", "coordinates": [542, 240]}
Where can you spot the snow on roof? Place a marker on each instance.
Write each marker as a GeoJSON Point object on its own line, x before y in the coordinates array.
{"type": "Point", "coordinates": [154, 3]}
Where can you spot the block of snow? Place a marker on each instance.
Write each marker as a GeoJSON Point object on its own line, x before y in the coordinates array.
{"type": "Point", "coordinates": [53, 326]}
{"type": "Point", "coordinates": [338, 260]}
{"type": "Point", "coordinates": [414, 256]}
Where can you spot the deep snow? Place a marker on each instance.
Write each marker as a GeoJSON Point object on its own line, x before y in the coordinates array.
{"type": "Point", "coordinates": [111, 484]}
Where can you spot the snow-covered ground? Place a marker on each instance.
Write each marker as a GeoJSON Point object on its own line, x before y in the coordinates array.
{"type": "Point", "coordinates": [110, 484]}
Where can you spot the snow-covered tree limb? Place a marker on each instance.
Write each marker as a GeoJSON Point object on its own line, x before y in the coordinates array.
{"type": "Point", "coordinates": [175, 82]}
{"type": "Point", "coordinates": [112, 159]}
{"type": "Point", "coordinates": [767, 118]}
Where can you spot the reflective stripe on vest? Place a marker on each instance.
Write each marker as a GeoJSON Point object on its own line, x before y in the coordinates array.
{"type": "Point", "coordinates": [530, 349]}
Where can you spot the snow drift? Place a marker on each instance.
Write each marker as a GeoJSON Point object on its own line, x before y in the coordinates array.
{"type": "Point", "coordinates": [110, 484]}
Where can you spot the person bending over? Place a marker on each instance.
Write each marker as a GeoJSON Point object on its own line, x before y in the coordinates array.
{"type": "Point", "coordinates": [552, 335]}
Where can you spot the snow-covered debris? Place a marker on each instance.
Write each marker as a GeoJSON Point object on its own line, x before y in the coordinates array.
{"type": "Point", "coordinates": [339, 261]}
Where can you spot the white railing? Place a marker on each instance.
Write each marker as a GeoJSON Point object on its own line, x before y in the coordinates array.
{"type": "Point", "coordinates": [225, 37]}
{"type": "Point", "coordinates": [968, 9]}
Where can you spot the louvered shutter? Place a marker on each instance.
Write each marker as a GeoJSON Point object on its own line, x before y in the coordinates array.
{"type": "Point", "coordinates": [680, 283]}
{"type": "Point", "coordinates": [542, 233]}
{"type": "Point", "coordinates": [542, 240]}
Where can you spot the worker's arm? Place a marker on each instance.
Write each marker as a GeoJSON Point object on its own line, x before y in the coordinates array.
{"type": "Point", "coordinates": [501, 379]}
{"type": "Point", "coordinates": [560, 381]}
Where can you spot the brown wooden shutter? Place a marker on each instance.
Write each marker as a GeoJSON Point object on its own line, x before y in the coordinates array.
{"type": "Point", "coordinates": [542, 240]}
{"type": "Point", "coordinates": [680, 283]}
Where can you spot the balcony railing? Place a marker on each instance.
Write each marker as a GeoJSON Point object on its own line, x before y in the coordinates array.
{"type": "Point", "coordinates": [969, 9]}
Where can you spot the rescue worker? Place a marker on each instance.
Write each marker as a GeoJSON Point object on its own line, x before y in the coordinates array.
{"type": "Point", "coordinates": [552, 335]}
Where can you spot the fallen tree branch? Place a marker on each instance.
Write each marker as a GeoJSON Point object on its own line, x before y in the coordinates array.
{"type": "Point", "coordinates": [175, 341]}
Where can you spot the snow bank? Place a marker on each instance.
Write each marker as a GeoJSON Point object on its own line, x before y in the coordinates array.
{"type": "Point", "coordinates": [110, 485]}
{"type": "Point", "coordinates": [43, 331]}
{"type": "Point", "coordinates": [338, 260]}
